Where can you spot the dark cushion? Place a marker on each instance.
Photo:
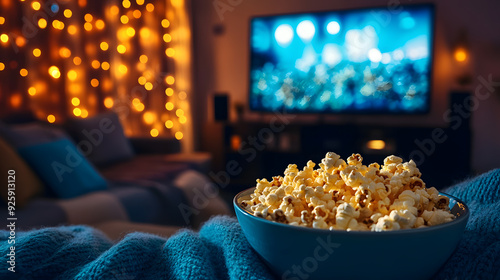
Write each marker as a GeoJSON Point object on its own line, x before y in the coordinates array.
{"type": "Point", "coordinates": [63, 168]}
{"type": "Point", "coordinates": [101, 138]}
{"type": "Point", "coordinates": [26, 183]}
{"type": "Point", "coordinates": [30, 134]}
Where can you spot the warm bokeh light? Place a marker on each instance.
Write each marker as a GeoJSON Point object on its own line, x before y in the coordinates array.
{"type": "Point", "coordinates": [16, 100]}
{"type": "Point", "coordinates": [460, 55]}
{"type": "Point", "coordinates": [143, 58]}
{"type": "Point", "coordinates": [124, 19]}
{"type": "Point", "coordinates": [20, 41]}
{"type": "Point", "coordinates": [104, 46]}
{"type": "Point", "coordinates": [42, 23]}
{"type": "Point", "coordinates": [137, 14]}
{"type": "Point", "coordinates": [169, 106]}
{"type": "Point", "coordinates": [122, 69]}
{"type": "Point", "coordinates": [170, 52]}
{"type": "Point", "coordinates": [149, 117]}
{"type": "Point", "coordinates": [32, 91]}
{"type": "Point", "coordinates": [54, 72]}
{"type": "Point", "coordinates": [72, 75]}
{"type": "Point", "coordinates": [179, 135]}
{"type": "Point", "coordinates": [375, 144]}
{"type": "Point", "coordinates": [77, 60]}
{"type": "Point", "coordinates": [23, 72]}
{"type": "Point", "coordinates": [179, 112]}
{"type": "Point", "coordinates": [75, 101]}
{"type": "Point", "coordinates": [109, 102]}
{"type": "Point", "coordinates": [148, 86]}
{"type": "Point", "coordinates": [170, 80]}
{"type": "Point", "coordinates": [139, 107]}
{"type": "Point", "coordinates": [154, 132]}
{"type": "Point", "coordinates": [88, 26]}
{"type": "Point", "coordinates": [88, 17]}
{"type": "Point", "coordinates": [68, 13]}
{"type": "Point", "coordinates": [84, 114]}
{"type": "Point", "coordinates": [58, 24]}
{"type": "Point", "coordinates": [105, 65]}
{"type": "Point", "coordinates": [2, 20]}
{"type": "Point", "coordinates": [126, 4]}
{"type": "Point", "coordinates": [177, 3]}
{"type": "Point", "coordinates": [182, 95]}
{"type": "Point", "coordinates": [182, 119]}
{"type": "Point", "coordinates": [37, 52]}
{"type": "Point", "coordinates": [64, 52]}
{"type": "Point", "coordinates": [51, 118]}
{"type": "Point", "coordinates": [142, 80]}
{"type": "Point", "coordinates": [167, 38]}
{"type": "Point", "coordinates": [94, 82]}
{"type": "Point", "coordinates": [139, 2]}
{"type": "Point", "coordinates": [130, 32]}
{"type": "Point", "coordinates": [169, 124]}
{"type": "Point", "coordinates": [36, 5]}
{"type": "Point", "coordinates": [72, 29]}
{"type": "Point", "coordinates": [99, 24]}
{"type": "Point", "coordinates": [169, 91]}
{"type": "Point", "coordinates": [145, 33]}
{"type": "Point", "coordinates": [4, 38]}
{"type": "Point", "coordinates": [150, 7]}
{"type": "Point", "coordinates": [95, 64]}
{"type": "Point", "coordinates": [114, 10]}
{"type": "Point", "coordinates": [2, 66]}
{"type": "Point", "coordinates": [77, 112]}
{"type": "Point", "coordinates": [165, 23]}
{"type": "Point", "coordinates": [121, 49]}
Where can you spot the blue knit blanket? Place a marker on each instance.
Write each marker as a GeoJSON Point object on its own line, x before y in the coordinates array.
{"type": "Point", "coordinates": [220, 251]}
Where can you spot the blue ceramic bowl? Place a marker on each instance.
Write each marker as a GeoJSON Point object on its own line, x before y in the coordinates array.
{"type": "Point", "coordinates": [294, 252]}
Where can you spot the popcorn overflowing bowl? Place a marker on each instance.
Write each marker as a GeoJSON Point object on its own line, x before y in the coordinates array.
{"type": "Point", "coordinates": [340, 221]}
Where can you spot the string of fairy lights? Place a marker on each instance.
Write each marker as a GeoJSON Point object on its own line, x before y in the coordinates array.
{"type": "Point", "coordinates": [85, 58]}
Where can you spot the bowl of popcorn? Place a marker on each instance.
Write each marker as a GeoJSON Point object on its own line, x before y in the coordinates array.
{"type": "Point", "coordinates": [346, 220]}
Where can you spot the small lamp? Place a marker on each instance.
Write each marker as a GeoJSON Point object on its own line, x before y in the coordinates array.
{"type": "Point", "coordinates": [462, 56]}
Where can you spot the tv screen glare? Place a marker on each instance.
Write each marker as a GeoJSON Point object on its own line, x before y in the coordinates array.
{"type": "Point", "coordinates": [354, 61]}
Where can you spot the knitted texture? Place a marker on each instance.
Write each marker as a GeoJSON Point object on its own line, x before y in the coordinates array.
{"type": "Point", "coordinates": [220, 251]}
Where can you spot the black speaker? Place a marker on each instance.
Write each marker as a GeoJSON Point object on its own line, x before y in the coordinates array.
{"type": "Point", "coordinates": [221, 105]}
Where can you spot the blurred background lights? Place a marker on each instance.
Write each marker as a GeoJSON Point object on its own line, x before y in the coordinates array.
{"type": "Point", "coordinates": [374, 55]}
{"type": "Point", "coordinates": [283, 34]}
{"type": "Point", "coordinates": [54, 72]}
{"type": "Point", "coordinates": [108, 102]}
{"type": "Point", "coordinates": [306, 30]}
{"type": "Point", "coordinates": [75, 101]}
{"type": "Point", "coordinates": [37, 52]}
{"type": "Point", "coordinates": [77, 112]}
{"type": "Point", "coordinates": [179, 135]}
{"type": "Point", "coordinates": [4, 38]}
{"type": "Point", "coordinates": [154, 132]}
{"type": "Point", "coordinates": [169, 124]}
{"type": "Point", "coordinates": [104, 46]}
{"type": "Point", "coordinates": [67, 13]}
{"type": "Point", "coordinates": [460, 55]}
{"type": "Point", "coordinates": [42, 23]}
{"type": "Point", "coordinates": [51, 118]}
{"type": "Point", "coordinates": [333, 27]}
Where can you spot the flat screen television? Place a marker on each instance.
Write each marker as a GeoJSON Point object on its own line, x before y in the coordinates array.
{"type": "Point", "coordinates": [375, 61]}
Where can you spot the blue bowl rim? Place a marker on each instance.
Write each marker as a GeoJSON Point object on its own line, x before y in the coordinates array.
{"type": "Point", "coordinates": [457, 220]}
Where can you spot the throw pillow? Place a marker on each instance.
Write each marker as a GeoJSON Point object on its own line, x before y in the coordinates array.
{"type": "Point", "coordinates": [101, 138]}
{"type": "Point", "coordinates": [63, 168]}
{"type": "Point", "coordinates": [27, 184]}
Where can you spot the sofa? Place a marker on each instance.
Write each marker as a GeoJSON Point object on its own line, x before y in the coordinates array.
{"type": "Point", "coordinates": [86, 171]}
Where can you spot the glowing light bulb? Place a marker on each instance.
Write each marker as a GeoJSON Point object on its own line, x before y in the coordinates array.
{"type": "Point", "coordinates": [95, 64]}
{"type": "Point", "coordinates": [2, 20]}
{"type": "Point", "coordinates": [84, 114]}
{"type": "Point", "coordinates": [460, 55]}
{"type": "Point", "coordinates": [32, 91]}
{"type": "Point", "coordinates": [167, 38]}
{"type": "Point", "coordinates": [142, 80]}
{"type": "Point", "coordinates": [169, 124]}
{"type": "Point", "coordinates": [42, 23]}
{"type": "Point", "coordinates": [77, 60]}
{"type": "Point", "coordinates": [179, 135]}
{"type": "Point", "coordinates": [170, 80]}
{"type": "Point", "coordinates": [94, 82]}
{"type": "Point", "coordinates": [23, 72]}
{"type": "Point", "coordinates": [149, 117]}
{"type": "Point", "coordinates": [122, 69]}
{"type": "Point", "coordinates": [68, 13]}
{"type": "Point", "coordinates": [169, 91]}
{"type": "Point", "coordinates": [37, 52]}
{"type": "Point", "coordinates": [51, 118]}
{"type": "Point", "coordinates": [104, 46]}
{"type": "Point", "coordinates": [77, 112]}
{"type": "Point", "coordinates": [126, 4]}
{"type": "Point", "coordinates": [99, 24]}
{"type": "Point", "coordinates": [143, 58]}
{"type": "Point", "coordinates": [139, 2]}
{"type": "Point", "coordinates": [36, 5]}
{"type": "Point", "coordinates": [165, 23]}
{"type": "Point", "coordinates": [4, 38]}
{"type": "Point", "coordinates": [150, 7]}
{"type": "Point", "coordinates": [54, 72]}
{"type": "Point", "coordinates": [137, 14]}
{"type": "Point", "coordinates": [124, 19]}
{"type": "Point", "coordinates": [121, 49]}
{"type": "Point", "coordinates": [179, 112]}
{"type": "Point", "coordinates": [75, 101]}
{"type": "Point", "coordinates": [108, 102]}
{"type": "Point", "coordinates": [64, 52]}
{"type": "Point", "coordinates": [105, 65]}
{"type": "Point", "coordinates": [182, 119]}
{"type": "Point", "coordinates": [148, 86]}
{"type": "Point", "coordinates": [154, 132]}
{"type": "Point", "coordinates": [2, 66]}
{"type": "Point", "coordinates": [169, 106]}
{"type": "Point", "coordinates": [170, 52]}
{"type": "Point", "coordinates": [130, 32]}
{"type": "Point", "coordinates": [72, 75]}
{"type": "Point", "coordinates": [88, 17]}
{"type": "Point", "coordinates": [72, 30]}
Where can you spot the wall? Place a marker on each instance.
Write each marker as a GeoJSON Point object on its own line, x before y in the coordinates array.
{"type": "Point", "coordinates": [221, 62]}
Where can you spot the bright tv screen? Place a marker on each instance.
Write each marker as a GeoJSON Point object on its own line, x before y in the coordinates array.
{"type": "Point", "coordinates": [353, 61]}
